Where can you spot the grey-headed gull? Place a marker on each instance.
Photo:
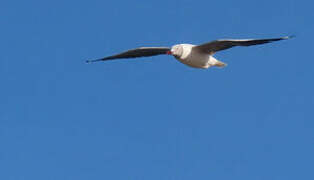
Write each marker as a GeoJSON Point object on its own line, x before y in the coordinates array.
{"type": "Point", "coordinates": [197, 56]}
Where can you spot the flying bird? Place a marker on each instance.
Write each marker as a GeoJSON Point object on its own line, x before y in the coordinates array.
{"type": "Point", "coordinates": [197, 56]}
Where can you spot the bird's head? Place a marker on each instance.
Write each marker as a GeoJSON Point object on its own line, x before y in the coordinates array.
{"type": "Point", "coordinates": [176, 51]}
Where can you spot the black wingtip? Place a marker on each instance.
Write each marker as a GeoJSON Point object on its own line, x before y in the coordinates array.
{"type": "Point", "coordinates": [91, 61]}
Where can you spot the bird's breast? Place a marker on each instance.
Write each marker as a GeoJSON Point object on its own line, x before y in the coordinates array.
{"type": "Point", "coordinates": [194, 58]}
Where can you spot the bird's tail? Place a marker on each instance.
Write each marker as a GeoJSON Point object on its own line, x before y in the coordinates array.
{"type": "Point", "coordinates": [215, 62]}
{"type": "Point", "coordinates": [220, 64]}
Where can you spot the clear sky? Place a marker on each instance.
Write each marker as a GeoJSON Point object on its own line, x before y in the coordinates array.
{"type": "Point", "coordinates": [155, 118]}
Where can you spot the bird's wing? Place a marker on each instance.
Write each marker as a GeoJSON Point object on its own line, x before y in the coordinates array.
{"type": "Point", "coordinates": [134, 53]}
{"type": "Point", "coordinates": [218, 45]}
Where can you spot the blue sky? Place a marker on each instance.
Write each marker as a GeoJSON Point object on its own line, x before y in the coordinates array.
{"type": "Point", "coordinates": [154, 118]}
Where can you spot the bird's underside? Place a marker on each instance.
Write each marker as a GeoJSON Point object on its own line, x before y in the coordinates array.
{"type": "Point", "coordinates": [187, 52]}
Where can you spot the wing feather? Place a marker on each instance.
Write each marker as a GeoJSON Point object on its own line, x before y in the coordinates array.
{"type": "Point", "coordinates": [218, 45]}
{"type": "Point", "coordinates": [134, 53]}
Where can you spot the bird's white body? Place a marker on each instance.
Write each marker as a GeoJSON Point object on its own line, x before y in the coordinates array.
{"type": "Point", "coordinates": [194, 58]}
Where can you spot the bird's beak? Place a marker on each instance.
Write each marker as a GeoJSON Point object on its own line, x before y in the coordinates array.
{"type": "Point", "coordinates": [169, 53]}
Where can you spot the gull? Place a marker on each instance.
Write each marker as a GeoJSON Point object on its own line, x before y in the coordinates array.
{"type": "Point", "coordinates": [196, 56]}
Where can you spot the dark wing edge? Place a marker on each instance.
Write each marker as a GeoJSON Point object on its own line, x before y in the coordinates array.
{"type": "Point", "coordinates": [134, 53]}
{"type": "Point", "coordinates": [218, 45]}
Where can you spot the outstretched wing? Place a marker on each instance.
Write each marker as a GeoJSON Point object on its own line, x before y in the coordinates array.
{"type": "Point", "coordinates": [218, 45]}
{"type": "Point", "coordinates": [134, 53]}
